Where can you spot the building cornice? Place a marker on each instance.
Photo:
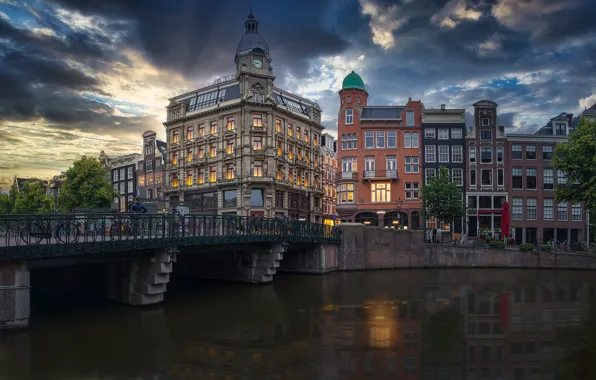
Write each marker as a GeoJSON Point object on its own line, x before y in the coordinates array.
{"type": "Point", "coordinates": [537, 138]}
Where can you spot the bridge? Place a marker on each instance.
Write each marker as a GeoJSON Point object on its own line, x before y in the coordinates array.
{"type": "Point", "coordinates": [136, 253]}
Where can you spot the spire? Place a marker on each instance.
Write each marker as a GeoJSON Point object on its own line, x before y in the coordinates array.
{"type": "Point", "coordinates": [252, 25]}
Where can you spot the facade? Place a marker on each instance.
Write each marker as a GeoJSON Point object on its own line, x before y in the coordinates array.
{"type": "Point", "coordinates": [535, 216]}
{"type": "Point", "coordinates": [380, 179]}
{"type": "Point", "coordinates": [151, 171]}
{"type": "Point", "coordinates": [123, 174]}
{"type": "Point", "coordinates": [486, 170]}
{"type": "Point", "coordinates": [443, 144]}
{"type": "Point", "coordinates": [330, 166]}
{"type": "Point", "coordinates": [243, 146]}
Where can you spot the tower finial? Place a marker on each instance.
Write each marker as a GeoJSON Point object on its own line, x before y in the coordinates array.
{"type": "Point", "coordinates": [252, 26]}
{"type": "Point", "coordinates": [250, 15]}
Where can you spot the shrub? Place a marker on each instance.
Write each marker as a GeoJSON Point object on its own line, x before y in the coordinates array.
{"type": "Point", "coordinates": [496, 244]}
{"type": "Point", "coordinates": [545, 247]}
{"type": "Point", "coordinates": [526, 247]}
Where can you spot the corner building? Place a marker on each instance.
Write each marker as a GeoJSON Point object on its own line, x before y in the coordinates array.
{"type": "Point", "coordinates": [380, 179]}
{"type": "Point", "coordinates": [243, 146]}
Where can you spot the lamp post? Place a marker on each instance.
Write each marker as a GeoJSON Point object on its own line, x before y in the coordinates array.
{"type": "Point", "coordinates": [399, 203]}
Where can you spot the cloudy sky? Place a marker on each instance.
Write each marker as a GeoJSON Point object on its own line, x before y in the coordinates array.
{"type": "Point", "coordinates": [79, 76]}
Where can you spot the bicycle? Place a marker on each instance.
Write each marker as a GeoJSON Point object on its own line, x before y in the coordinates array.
{"type": "Point", "coordinates": [579, 246]}
{"type": "Point", "coordinates": [65, 232]}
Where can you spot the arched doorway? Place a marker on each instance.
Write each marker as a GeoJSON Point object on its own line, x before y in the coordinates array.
{"type": "Point", "coordinates": [415, 220]}
{"type": "Point", "coordinates": [396, 219]}
{"type": "Point", "coordinates": [367, 218]}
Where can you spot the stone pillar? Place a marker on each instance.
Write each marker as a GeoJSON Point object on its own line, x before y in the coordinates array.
{"type": "Point", "coordinates": [14, 295]}
{"type": "Point", "coordinates": [352, 255]}
{"type": "Point", "coordinates": [141, 281]}
{"type": "Point", "coordinates": [321, 259]}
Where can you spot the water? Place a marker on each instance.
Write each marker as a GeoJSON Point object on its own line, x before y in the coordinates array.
{"type": "Point", "coordinates": [418, 324]}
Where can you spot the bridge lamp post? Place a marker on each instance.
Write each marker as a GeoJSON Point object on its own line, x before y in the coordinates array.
{"type": "Point", "coordinates": [399, 203]}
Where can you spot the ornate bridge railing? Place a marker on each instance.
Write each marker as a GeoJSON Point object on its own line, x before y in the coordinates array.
{"type": "Point", "coordinates": [55, 235]}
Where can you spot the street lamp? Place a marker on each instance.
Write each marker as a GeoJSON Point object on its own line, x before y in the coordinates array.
{"type": "Point", "coordinates": [399, 203]}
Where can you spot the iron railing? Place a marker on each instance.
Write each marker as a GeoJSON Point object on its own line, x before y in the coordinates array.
{"type": "Point", "coordinates": [384, 174]}
{"type": "Point", "coordinates": [47, 236]}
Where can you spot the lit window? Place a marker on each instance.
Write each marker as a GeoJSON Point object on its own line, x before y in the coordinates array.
{"type": "Point", "coordinates": [213, 174]}
{"type": "Point", "coordinates": [213, 150]}
{"type": "Point", "coordinates": [380, 192]}
{"type": "Point", "coordinates": [257, 120]}
{"type": "Point", "coordinates": [258, 169]}
{"type": "Point", "coordinates": [257, 143]}
{"type": "Point", "coordinates": [188, 155]}
{"type": "Point", "coordinates": [230, 147]}
{"type": "Point", "coordinates": [290, 130]}
{"type": "Point", "coordinates": [190, 132]}
{"type": "Point", "coordinates": [231, 125]}
{"type": "Point", "coordinates": [175, 158]}
{"type": "Point", "coordinates": [175, 136]}
{"type": "Point", "coordinates": [305, 136]}
{"type": "Point", "coordinates": [213, 128]}
{"type": "Point", "coordinates": [230, 173]}
{"type": "Point", "coordinates": [201, 151]}
{"type": "Point", "coordinates": [141, 180]}
{"type": "Point", "coordinates": [298, 135]}
{"type": "Point", "coordinates": [201, 177]}
{"type": "Point", "coordinates": [189, 178]}
{"type": "Point", "coordinates": [280, 150]}
{"type": "Point", "coordinates": [278, 125]}
{"type": "Point", "coordinates": [174, 180]}
{"type": "Point", "coordinates": [201, 130]}
{"type": "Point", "coordinates": [346, 193]}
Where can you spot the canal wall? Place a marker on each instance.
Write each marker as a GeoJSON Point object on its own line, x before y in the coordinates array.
{"type": "Point", "coordinates": [383, 248]}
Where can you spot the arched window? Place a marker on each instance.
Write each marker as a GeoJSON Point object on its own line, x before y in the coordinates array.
{"type": "Point", "coordinates": [415, 140]}
{"type": "Point", "coordinates": [343, 142]}
{"type": "Point", "coordinates": [407, 140]}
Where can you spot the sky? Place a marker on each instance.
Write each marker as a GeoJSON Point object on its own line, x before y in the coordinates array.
{"type": "Point", "coordinates": [81, 76]}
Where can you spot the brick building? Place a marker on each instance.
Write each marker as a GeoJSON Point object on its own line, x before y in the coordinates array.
{"type": "Point", "coordinates": [380, 179]}
{"type": "Point", "coordinates": [151, 171]}
{"type": "Point", "coordinates": [122, 171]}
{"type": "Point", "coordinates": [330, 168]}
{"type": "Point", "coordinates": [535, 215]}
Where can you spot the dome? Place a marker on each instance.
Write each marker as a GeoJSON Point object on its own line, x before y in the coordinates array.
{"type": "Point", "coordinates": [250, 42]}
{"type": "Point", "coordinates": [353, 80]}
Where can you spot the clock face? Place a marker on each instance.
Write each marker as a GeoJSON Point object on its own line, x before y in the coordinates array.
{"type": "Point", "coordinates": [257, 63]}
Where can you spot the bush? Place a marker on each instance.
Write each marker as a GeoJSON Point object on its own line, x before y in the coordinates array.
{"type": "Point", "coordinates": [526, 247]}
{"type": "Point", "coordinates": [545, 247]}
{"type": "Point", "coordinates": [496, 244]}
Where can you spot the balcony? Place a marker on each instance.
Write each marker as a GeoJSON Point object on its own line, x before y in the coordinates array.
{"type": "Point", "coordinates": [380, 174]}
{"type": "Point", "coordinates": [346, 176]}
{"type": "Point", "coordinates": [259, 128]}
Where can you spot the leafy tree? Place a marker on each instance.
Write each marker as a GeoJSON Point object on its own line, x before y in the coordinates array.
{"type": "Point", "coordinates": [32, 199]}
{"type": "Point", "coordinates": [5, 204]}
{"type": "Point", "coordinates": [577, 158]}
{"type": "Point", "coordinates": [86, 185]}
{"type": "Point", "coordinates": [442, 199]}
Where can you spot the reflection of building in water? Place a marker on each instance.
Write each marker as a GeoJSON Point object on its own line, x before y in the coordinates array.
{"type": "Point", "coordinates": [536, 312]}
{"type": "Point", "coordinates": [377, 340]}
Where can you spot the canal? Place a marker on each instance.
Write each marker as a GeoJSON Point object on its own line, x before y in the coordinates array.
{"type": "Point", "coordinates": [407, 324]}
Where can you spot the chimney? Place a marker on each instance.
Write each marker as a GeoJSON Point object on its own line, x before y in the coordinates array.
{"type": "Point", "coordinates": [443, 107]}
{"type": "Point", "coordinates": [409, 98]}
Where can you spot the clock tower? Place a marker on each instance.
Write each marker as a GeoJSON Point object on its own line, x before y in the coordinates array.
{"type": "Point", "coordinates": [252, 55]}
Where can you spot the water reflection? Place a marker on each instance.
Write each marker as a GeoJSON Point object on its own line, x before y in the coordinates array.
{"type": "Point", "coordinates": [434, 324]}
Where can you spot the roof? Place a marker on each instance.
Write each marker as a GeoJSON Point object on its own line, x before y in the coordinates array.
{"type": "Point", "coordinates": [381, 112]}
{"type": "Point", "coordinates": [252, 40]}
{"type": "Point", "coordinates": [485, 103]}
{"type": "Point", "coordinates": [213, 97]}
{"type": "Point", "coordinates": [353, 80]}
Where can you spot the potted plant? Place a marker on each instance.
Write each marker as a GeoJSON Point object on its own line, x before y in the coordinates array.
{"type": "Point", "coordinates": [544, 248]}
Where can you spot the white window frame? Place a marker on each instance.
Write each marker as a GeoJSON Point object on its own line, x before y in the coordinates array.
{"type": "Point", "coordinates": [367, 135]}
{"type": "Point", "coordinates": [412, 190]}
{"type": "Point", "coordinates": [407, 140]}
{"type": "Point", "coordinates": [457, 153]}
{"type": "Point", "coordinates": [430, 133]}
{"type": "Point", "coordinates": [415, 140]}
{"type": "Point", "coordinates": [491, 177]}
{"type": "Point", "coordinates": [443, 133]}
{"type": "Point", "coordinates": [394, 133]}
{"type": "Point", "coordinates": [428, 174]}
{"type": "Point", "coordinates": [457, 176]}
{"type": "Point", "coordinates": [349, 116]}
{"type": "Point", "coordinates": [430, 151]}
{"type": "Point", "coordinates": [377, 135]}
{"type": "Point", "coordinates": [457, 133]}
{"type": "Point", "coordinates": [443, 156]}
{"type": "Point", "coordinates": [412, 162]}
{"type": "Point", "coordinates": [472, 155]}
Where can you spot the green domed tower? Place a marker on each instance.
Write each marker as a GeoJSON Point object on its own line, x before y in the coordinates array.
{"type": "Point", "coordinates": [353, 98]}
{"type": "Point", "coordinates": [353, 80]}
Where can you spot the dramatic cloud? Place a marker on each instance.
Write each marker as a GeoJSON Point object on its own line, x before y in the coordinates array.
{"type": "Point", "coordinates": [82, 76]}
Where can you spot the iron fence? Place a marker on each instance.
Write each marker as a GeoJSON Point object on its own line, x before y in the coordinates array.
{"type": "Point", "coordinates": [46, 236]}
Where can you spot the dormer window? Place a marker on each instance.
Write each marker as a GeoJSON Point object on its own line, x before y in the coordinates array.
{"type": "Point", "coordinates": [485, 122]}
{"type": "Point", "coordinates": [560, 129]}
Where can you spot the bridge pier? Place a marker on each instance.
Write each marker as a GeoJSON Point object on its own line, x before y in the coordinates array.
{"type": "Point", "coordinates": [14, 295]}
{"type": "Point", "coordinates": [140, 281]}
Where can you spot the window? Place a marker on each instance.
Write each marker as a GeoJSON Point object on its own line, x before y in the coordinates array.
{"type": "Point", "coordinates": [516, 152]}
{"type": "Point", "coordinates": [487, 177]}
{"type": "Point", "coordinates": [412, 190]}
{"type": "Point", "coordinates": [149, 165]}
{"type": "Point", "coordinates": [380, 139]}
{"type": "Point", "coordinates": [369, 166]}
{"type": "Point", "coordinates": [175, 158]}
{"type": "Point", "coordinates": [358, 99]}
{"type": "Point", "coordinates": [531, 178]}
{"type": "Point", "coordinates": [174, 180]}
{"type": "Point", "coordinates": [548, 180]}
{"type": "Point", "coordinates": [548, 209]}
{"type": "Point", "coordinates": [258, 169]}
{"type": "Point", "coordinates": [472, 177]}
{"type": "Point", "coordinates": [257, 120]}
{"type": "Point", "coordinates": [561, 177]}
{"type": "Point", "coordinates": [472, 155]}
{"type": "Point", "coordinates": [141, 180]}
{"type": "Point", "coordinates": [188, 155]}
{"type": "Point", "coordinates": [201, 177]}
{"type": "Point", "coordinates": [391, 139]}
{"type": "Point", "coordinates": [485, 122]}
{"type": "Point", "coordinates": [129, 172]}
{"type": "Point", "coordinates": [349, 99]}
{"type": "Point", "coordinates": [229, 147]}
{"type": "Point", "coordinates": [305, 136]}
{"type": "Point", "coordinates": [456, 133]}
{"type": "Point", "coordinates": [369, 139]}
{"type": "Point", "coordinates": [298, 136]}
{"type": "Point", "coordinates": [407, 140]}
{"type": "Point", "coordinates": [560, 129]}
{"type": "Point", "coordinates": [381, 192]}
{"type": "Point", "coordinates": [517, 209]}
{"type": "Point", "coordinates": [414, 139]}
{"type": "Point", "coordinates": [547, 152]}
{"type": "Point", "coordinates": [457, 153]}
{"type": "Point", "coordinates": [500, 154]}
{"type": "Point", "coordinates": [430, 153]}
{"type": "Point", "coordinates": [429, 175]}
{"type": "Point", "coordinates": [410, 118]}
{"type": "Point", "coordinates": [257, 143]}
{"type": "Point", "coordinates": [130, 186]}
{"type": "Point", "coordinates": [213, 174]}
{"type": "Point", "coordinates": [517, 178]}
{"type": "Point", "coordinates": [190, 133]}
{"type": "Point", "coordinates": [346, 193]}
{"type": "Point", "coordinates": [231, 125]}
{"type": "Point", "coordinates": [348, 164]}
{"type": "Point", "coordinates": [278, 128]}
{"type": "Point", "coordinates": [531, 208]}
{"type": "Point", "coordinates": [189, 178]}
{"type": "Point", "coordinates": [429, 133]}
{"type": "Point", "coordinates": [213, 128]}
{"type": "Point", "coordinates": [412, 164]}
{"type": "Point", "coordinates": [576, 212]}
{"type": "Point", "coordinates": [349, 116]}
{"type": "Point", "coordinates": [457, 176]}
{"type": "Point", "coordinates": [201, 130]}
{"type": "Point", "coordinates": [149, 150]}
{"type": "Point", "coordinates": [391, 166]}
{"type": "Point", "coordinates": [213, 150]}
{"type": "Point", "coordinates": [562, 211]}
{"type": "Point", "coordinates": [175, 136]}
{"type": "Point", "coordinates": [230, 172]}
{"type": "Point", "coordinates": [530, 152]}
{"type": "Point", "coordinates": [443, 153]}
{"type": "Point", "coordinates": [443, 134]}
{"type": "Point", "coordinates": [486, 135]}
{"type": "Point", "coordinates": [290, 129]}
{"type": "Point", "coordinates": [486, 155]}
{"type": "Point", "coordinates": [501, 177]}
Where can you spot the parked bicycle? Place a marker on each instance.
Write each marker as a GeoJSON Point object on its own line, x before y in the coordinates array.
{"type": "Point", "coordinates": [579, 246]}
{"type": "Point", "coordinates": [37, 230]}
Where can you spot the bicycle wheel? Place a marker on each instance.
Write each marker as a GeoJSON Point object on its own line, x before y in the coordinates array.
{"type": "Point", "coordinates": [32, 233]}
{"type": "Point", "coordinates": [116, 231]}
{"type": "Point", "coordinates": [67, 232]}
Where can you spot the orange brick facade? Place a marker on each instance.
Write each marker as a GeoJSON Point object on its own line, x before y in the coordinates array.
{"type": "Point", "coordinates": [379, 181]}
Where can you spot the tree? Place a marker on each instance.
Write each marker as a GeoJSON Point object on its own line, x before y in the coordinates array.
{"type": "Point", "coordinates": [86, 185]}
{"type": "Point", "coordinates": [5, 204]}
{"type": "Point", "coordinates": [32, 199]}
{"type": "Point", "coordinates": [577, 159]}
{"type": "Point", "coordinates": [442, 199]}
